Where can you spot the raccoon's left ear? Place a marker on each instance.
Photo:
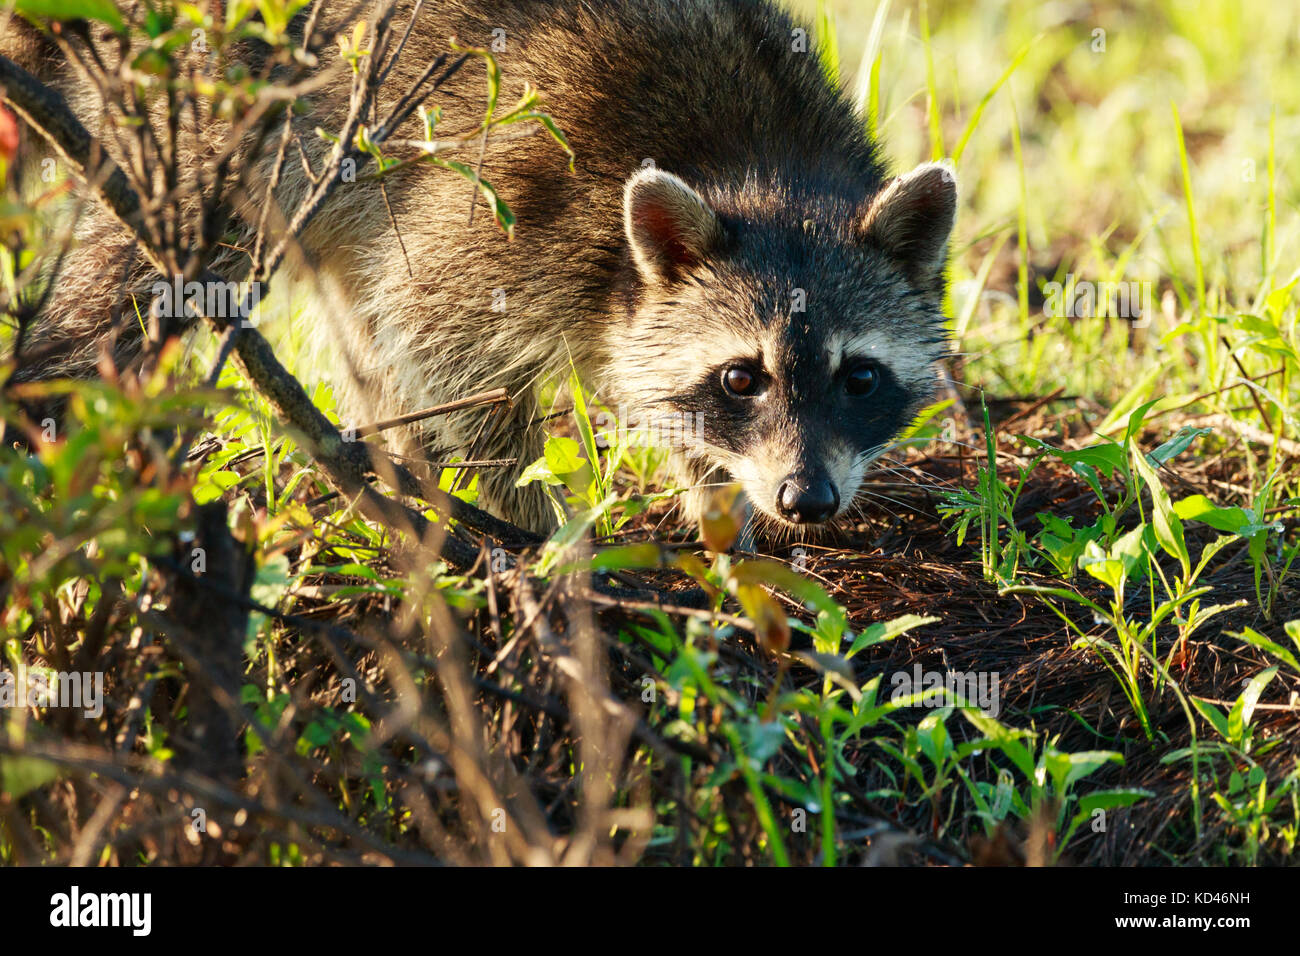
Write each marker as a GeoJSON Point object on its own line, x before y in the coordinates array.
{"type": "Point", "coordinates": [669, 225]}
{"type": "Point", "coordinates": [910, 221]}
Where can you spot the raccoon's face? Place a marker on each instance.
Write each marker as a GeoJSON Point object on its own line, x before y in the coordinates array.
{"type": "Point", "coordinates": [791, 350]}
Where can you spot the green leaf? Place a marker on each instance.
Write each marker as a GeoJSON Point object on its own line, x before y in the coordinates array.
{"type": "Point", "coordinates": [102, 10]}
{"type": "Point", "coordinates": [628, 556]}
{"type": "Point", "coordinates": [1110, 799]}
{"type": "Point", "coordinates": [269, 586]}
{"type": "Point", "coordinates": [21, 775]}
{"type": "Point", "coordinates": [1202, 509]}
{"type": "Point", "coordinates": [1164, 520]}
{"type": "Point", "coordinates": [974, 120]}
{"type": "Point", "coordinates": [1213, 715]}
{"type": "Point", "coordinates": [573, 530]}
{"type": "Point", "coordinates": [932, 735]}
{"type": "Point", "coordinates": [828, 49]}
{"type": "Point", "coordinates": [761, 738]}
{"type": "Point", "coordinates": [1004, 739]}
{"type": "Point", "coordinates": [549, 125]}
{"type": "Point", "coordinates": [583, 418]}
{"type": "Point", "coordinates": [1105, 457]}
{"type": "Point", "coordinates": [1084, 763]}
{"type": "Point", "coordinates": [564, 457]}
{"type": "Point", "coordinates": [317, 734]}
{"type": "Point", "coordinates": [1135, 419]}
{"type": "Point", "coordinates": [1116, 566]}
{"type": "Point", "coordinates": [888, 630]}
{"type": "Point", "coordinates": [216, 484]}
{"type": "Point", "coordinates": [1063, 593]}
{"type": "Point", "coordinates": [504, 217]}
{"type": "Point", "coordinates": [540, 470]}
{"type": "Point", "coordinates": [1244, 708]}
{"type": "Point", "coordinates": [1256, 639]}
{"type": "Point", "coordinates": [157, 22]}
{"type": "Point", "coordinates": [1178, 444]}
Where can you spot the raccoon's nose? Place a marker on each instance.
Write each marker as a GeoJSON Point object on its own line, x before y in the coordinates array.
{"type": "Point", "coordinates": [807, 502]}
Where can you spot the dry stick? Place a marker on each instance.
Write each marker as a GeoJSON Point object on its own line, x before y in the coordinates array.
{"type": "Point", "coordinates": [88, 839]}
{"type": "Point", "coordinates": [277, 170]}
{"type": "Point", "coordinates": [344, 148]}
{"type": "Point", "coordinates": [439, 465]}
{"type": "Point", "coordinates": [478, 173]}
{"type": "Point", "coordinates": [702, 614]}
{"type": "Point", "coordinates": [332, 636]}
{"type": "Point", "coordinates": [482, 398]}
{"type": "Point", "coordinates": [1219, 391]}
{"type": "Point", "coordinates": [572, 668]}
{"type": "Point", "coordinates": [1287, 446]}
{"type": "Point", "coordinates": [1026, 412]}
{"type": "Point", "coordinates": [46, 111]}
{"type": "Point", "coordinates": [152, 776]}
{"type": "Point", "coordinates": [1229, 703]}
{"type": "Point", "coordinates": [225, 346]}
{"type": "Point", "coordinates": [475, 448]}
{"type": "Point", "coordinates": [344, 463]}
{"type": "Point", "coordinates": [1268, 425]}
{"type": "Point", "coordinates": [476, 463]}
{"type": "Point", "coordinates": [494, 397]}
{"type": "Point", "coordinates": [401, 45]}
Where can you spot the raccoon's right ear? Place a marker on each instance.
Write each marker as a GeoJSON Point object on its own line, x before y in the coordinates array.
{"type": "Point", "coordinates": [910, 221]}
{"type": "Point", "coordinates": [669, 225]}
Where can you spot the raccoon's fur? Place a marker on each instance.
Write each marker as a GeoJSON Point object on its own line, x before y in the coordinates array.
{"type": "Point", "coordinates": [729, 246]}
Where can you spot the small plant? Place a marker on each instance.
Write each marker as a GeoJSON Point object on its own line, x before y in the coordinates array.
{"type": "Point", "coordinates": [578, 467]}
{"type": "Point", "coordinates": [992, 504]}
{"type": "Point", "coordinates": [1177, 602]}
{"type": "Point", "coordinates": [1256, 639]}
{"type": "Point", "coordinates": [1250, 524]}
{"type": "Point", "coordinates": [1049, 781]}
{"type": "Point", "coordinates": [1246, 799]}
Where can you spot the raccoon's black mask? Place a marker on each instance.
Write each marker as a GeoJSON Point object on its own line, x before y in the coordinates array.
{"type": "Point", "coordinates": [798, 334]}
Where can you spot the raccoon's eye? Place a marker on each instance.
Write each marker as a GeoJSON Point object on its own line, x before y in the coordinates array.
{"type": "Point", "coordinates": [740, 381]}
{"type": "Point", "coordinates": [862, 380]}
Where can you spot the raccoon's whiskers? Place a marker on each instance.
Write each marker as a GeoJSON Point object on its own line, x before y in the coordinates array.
{"type": "Point", "coordinates": [924, 440]}
{"type": "Point", "coordinates": [857, 509]}
{"type": "Point", "coordinates": [864, 493]}
{"type": "Point", "coordinates": [909, 475]}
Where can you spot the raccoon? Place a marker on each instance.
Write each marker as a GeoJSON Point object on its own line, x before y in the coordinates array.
{"type": "Point", "coordinates": [728, 250]}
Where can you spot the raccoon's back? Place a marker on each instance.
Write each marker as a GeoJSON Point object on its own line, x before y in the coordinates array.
{"type": "Point", "coordinates": [718, 91]}
{"type": "Point", "coordinates": [25, 45]}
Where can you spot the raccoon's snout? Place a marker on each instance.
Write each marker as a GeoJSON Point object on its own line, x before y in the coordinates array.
{"type": "Point", "coordinates": [807, 501]}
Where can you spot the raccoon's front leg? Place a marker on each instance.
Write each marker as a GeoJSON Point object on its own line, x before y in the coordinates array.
{"type": "Point", "coordinates": [514, 437]}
